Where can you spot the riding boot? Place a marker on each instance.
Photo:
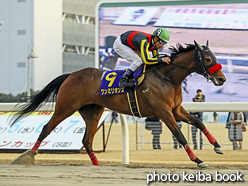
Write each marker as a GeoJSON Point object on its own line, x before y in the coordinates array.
{"type": "Point", "coordinates": [125, 80]}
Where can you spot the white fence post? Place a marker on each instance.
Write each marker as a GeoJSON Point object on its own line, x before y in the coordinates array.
{"type": "Point", "coordinates": [142, 135]}
{"type": "Point", "coordinates": [198, 139]}
{"type": "Point", "coordinates": [125, 140]}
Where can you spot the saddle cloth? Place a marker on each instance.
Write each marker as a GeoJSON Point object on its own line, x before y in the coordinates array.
{"type": "Point", "coordinates": [111, 79]}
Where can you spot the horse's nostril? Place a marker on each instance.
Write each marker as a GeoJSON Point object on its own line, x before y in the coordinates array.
{"type": "Point", "coordinates": [221, 80]}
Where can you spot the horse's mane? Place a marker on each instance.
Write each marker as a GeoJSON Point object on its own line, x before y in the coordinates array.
{"type": "Point", "coordinates": [179, 49]}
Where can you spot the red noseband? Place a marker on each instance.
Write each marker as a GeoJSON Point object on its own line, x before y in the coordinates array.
{"type": "Point", "coordinates": [215, 68]}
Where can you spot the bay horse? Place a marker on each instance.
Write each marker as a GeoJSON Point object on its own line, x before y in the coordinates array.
{"type": "Point", "coordinates": [159, 95]}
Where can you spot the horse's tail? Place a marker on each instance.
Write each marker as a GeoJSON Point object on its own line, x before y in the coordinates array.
{"type": "Point", "coordinates": [35, 102]}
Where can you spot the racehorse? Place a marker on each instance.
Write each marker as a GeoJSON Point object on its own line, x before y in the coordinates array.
{"type": "Point", "coordinates": [159, 95]}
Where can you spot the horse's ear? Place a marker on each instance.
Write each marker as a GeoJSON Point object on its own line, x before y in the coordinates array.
{"type": "Point", "coordinates": [207, 44]}
{"type": "Point", "coordinates": [198, 46]}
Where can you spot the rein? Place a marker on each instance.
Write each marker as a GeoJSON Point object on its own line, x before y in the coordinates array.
{"type": "Point", "coordinates": [158, 74]}
{"type": "Point", "coordinates": [166, 79]}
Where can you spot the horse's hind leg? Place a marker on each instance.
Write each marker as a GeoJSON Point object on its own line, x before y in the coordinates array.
{"type": "Point", "coordinates": [53, 122]}
{"type": "Point", "coordinates": [91, 115]}
{"type": "Point", "coordinates": [27, 158]}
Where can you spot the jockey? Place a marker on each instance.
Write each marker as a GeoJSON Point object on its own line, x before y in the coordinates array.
{"type": "Point", "coordinates": [134, 46]}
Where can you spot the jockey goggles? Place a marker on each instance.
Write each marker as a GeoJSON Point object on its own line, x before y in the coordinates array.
{"type": "Point", "coordinates": [161, 42]}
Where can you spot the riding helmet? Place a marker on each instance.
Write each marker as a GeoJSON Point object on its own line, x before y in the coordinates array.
{"type": "Point", "coordinates": [162, 34]}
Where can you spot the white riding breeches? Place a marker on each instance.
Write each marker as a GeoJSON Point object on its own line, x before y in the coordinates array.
{"type": "Point", "coordinates": [128, 54]}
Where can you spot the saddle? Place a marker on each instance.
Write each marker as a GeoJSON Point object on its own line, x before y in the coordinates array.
{"type": "Point", "coordinates": [110, 86]}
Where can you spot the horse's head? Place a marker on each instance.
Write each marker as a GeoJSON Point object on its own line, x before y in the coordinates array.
{"type": "Point", "coordinates": [206, 63]}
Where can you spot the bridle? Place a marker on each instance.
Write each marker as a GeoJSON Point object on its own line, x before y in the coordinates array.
{"type": "Point", "coordinates": [199, 60]}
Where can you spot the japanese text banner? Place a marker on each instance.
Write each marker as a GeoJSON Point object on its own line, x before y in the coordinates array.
{"type": "Point", "coordinates": [67, 135]}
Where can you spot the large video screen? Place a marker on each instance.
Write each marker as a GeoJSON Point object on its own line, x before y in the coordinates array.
{"type": "Point", "coordinates": [224, 25]}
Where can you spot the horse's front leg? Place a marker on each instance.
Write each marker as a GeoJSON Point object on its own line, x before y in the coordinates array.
{"type": "Point", "coordinates": [181, 114]}
{"type": "Point", "coordinates": [167, 117]}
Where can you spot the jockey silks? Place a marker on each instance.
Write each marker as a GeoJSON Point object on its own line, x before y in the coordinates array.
{"type": "Point", "coordinates": [142, 42]}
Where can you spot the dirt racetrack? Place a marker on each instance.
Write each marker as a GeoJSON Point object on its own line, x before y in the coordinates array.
{"type": "Point", "coordinates": [76, 169]}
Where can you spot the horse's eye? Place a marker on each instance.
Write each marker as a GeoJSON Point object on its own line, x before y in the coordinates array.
{"type": "Point", "coordinates": [208, 60]}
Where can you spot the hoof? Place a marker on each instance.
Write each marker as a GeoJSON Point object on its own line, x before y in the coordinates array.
{"type": "Point", "coordinates": [96, 162]}
{"type": "Point", "coordinates": [218, 150]}
{"type": "Point", "coordinates": [202, 165]}
{"type": "Point", "coordinates": [26, 158]}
